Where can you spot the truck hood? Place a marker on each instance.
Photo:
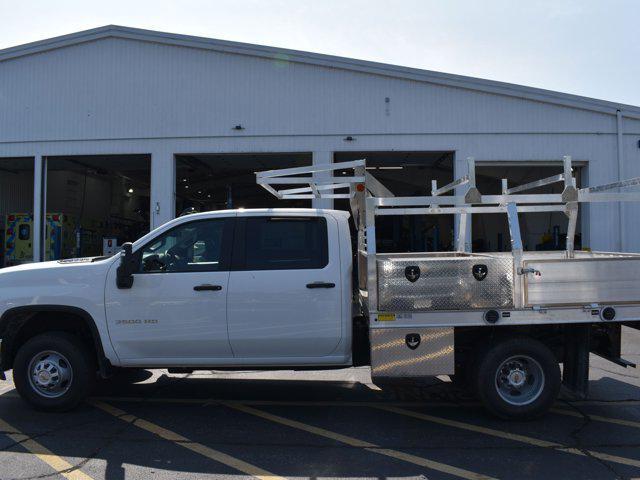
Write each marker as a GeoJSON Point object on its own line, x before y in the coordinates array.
{"type": "Point", "coordinates": [32, 276]}
{"type": "Point", "coordinates": [56, 264]}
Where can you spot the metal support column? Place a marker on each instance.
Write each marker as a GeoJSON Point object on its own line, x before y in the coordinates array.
{"type": "Point", "coordinates": [163, 188]}
{"type": "Point", "coordinates": [620, 157]}
{"type": "Point", "coordinates": [322, 159]}
{"type": "Point", "coordinates": [39, 207]}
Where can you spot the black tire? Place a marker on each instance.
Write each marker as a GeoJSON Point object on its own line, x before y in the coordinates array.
{"type": "Point", "coordinates": [72, 354]}
{"type": "Point", "coordinates": [517, 378]}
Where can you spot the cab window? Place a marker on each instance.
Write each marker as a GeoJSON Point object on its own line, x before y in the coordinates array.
{"type": "Point", "coordinates": [285, 243]}
{"type": "Point", "coordinates": [191, 247]}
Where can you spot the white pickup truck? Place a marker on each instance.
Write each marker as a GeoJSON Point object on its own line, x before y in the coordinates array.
{"type": "Point", "coordinates": [274, 288]}
{"type": "Point", "coordinates": [252, 288]}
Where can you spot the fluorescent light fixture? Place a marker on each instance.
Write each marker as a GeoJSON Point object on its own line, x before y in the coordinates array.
{"type": "Point", "coordinates": [390, 168]}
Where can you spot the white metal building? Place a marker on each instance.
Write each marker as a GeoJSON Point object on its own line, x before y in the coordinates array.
{"type": "Point", "coordinates": [109, 132]}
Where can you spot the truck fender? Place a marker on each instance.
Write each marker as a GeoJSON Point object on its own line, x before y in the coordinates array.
{"type": "Point", "coordinates": [12, 321]}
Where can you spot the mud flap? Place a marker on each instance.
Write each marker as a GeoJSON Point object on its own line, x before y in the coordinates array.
{"type": "Point", "coordinates": [575, 376]}
{"type": "Point", "coordinates": [606, 342]}
{"type": "Point", "coordinates": [2, 375]}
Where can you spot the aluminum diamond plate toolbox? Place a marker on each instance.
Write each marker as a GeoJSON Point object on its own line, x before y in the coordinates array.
{"type": "Point", "coordinates": [411, 352]}
{"type": "Point", "coordinates": [437, 282]}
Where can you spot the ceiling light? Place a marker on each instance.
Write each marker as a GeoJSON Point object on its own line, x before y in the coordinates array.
{"type": "Point", "coordinates": [209, 196]}
{"type": "Point", "coordinates": [390, 168]}
{"type": "Point", "coordinates": [186, 186]}
{"type": "Point", "coordinates": [199, 191]}
{"type": "Point", "coordinates": [131, 190]}
{"type": "Point", "coordinates": [184, 179]}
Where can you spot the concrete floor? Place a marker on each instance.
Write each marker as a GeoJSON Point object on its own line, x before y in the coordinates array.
{"type": "Point", "coordinates": [332, 424]}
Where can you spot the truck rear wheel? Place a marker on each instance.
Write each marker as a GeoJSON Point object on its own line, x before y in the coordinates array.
{"type": "Point", "coordinates": [517, 378]}
{"type": "Point", "coordinates": [53, 371]}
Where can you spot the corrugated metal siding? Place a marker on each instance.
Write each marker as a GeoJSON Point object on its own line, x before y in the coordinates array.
{"type": "Point", "coordinates": [115, 88]}
{"type": "Point", "coordinates": [631, 168]}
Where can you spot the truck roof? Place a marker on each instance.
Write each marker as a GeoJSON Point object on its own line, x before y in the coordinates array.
{"type": "Point", "coordinates": [340, 213]}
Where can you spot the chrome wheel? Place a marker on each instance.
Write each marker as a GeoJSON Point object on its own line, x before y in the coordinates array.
{"type": "Point", "coordinates": [520, 380]}
{"type": "Point", "coordinates": [50, 374]}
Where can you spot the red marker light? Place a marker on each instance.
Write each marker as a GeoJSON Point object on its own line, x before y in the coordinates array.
{"type": "Point", "coordinates": [12, 218]}
{"type": "Point", "coordinates": [56, 218]}
{"type": "Point", "coordinates": [360, 187]}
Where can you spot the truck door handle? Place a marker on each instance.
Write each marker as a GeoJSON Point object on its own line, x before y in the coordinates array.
{"type": "Point", "coordinates": [321, 285]}
{"type": "Point", "coordinates": [206, 286]}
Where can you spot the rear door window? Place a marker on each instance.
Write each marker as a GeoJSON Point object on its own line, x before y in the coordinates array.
{"type": "Point", "coordinates": [284, 243]}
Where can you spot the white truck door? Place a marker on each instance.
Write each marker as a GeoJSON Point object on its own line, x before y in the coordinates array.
{"type": "Point", "coordinates": [176, 308]}
{"type": "Point", "coordinates": [285, 287]}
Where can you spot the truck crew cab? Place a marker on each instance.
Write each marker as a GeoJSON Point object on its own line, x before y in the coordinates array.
{"type": "Point", "coordinates": [273, 288]}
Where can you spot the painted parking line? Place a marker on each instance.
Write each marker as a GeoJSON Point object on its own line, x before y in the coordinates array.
{"type": "Point", "coordinates": [608, 403]}
{"type": "Point", "coordinates": [599, 418]}
{"type": "Point", "coordinates": [60, 465]}
{"type": "Point", "coordinates": [355, 442]}
{"type": "Point", "coordinates": [511, 436]}
{"type": "Point", "coordinates": [196, 447]}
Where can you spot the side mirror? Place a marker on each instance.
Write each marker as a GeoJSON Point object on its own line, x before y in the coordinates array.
{"type": "Point", "coordinates": [128, 265]}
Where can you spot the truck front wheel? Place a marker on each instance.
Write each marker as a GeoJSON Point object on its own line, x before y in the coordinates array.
{"type": "Point", "coordinates": [517, 378]}
{"type": "Point", "coordinates": [53, 371]}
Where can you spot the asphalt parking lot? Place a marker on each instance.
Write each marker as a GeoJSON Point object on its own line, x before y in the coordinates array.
{"type": "Point", "coordinates": [320, 425]}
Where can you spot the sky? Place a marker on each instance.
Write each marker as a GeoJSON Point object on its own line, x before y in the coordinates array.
{"type": "Point", "coordinates": [584, 47]}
